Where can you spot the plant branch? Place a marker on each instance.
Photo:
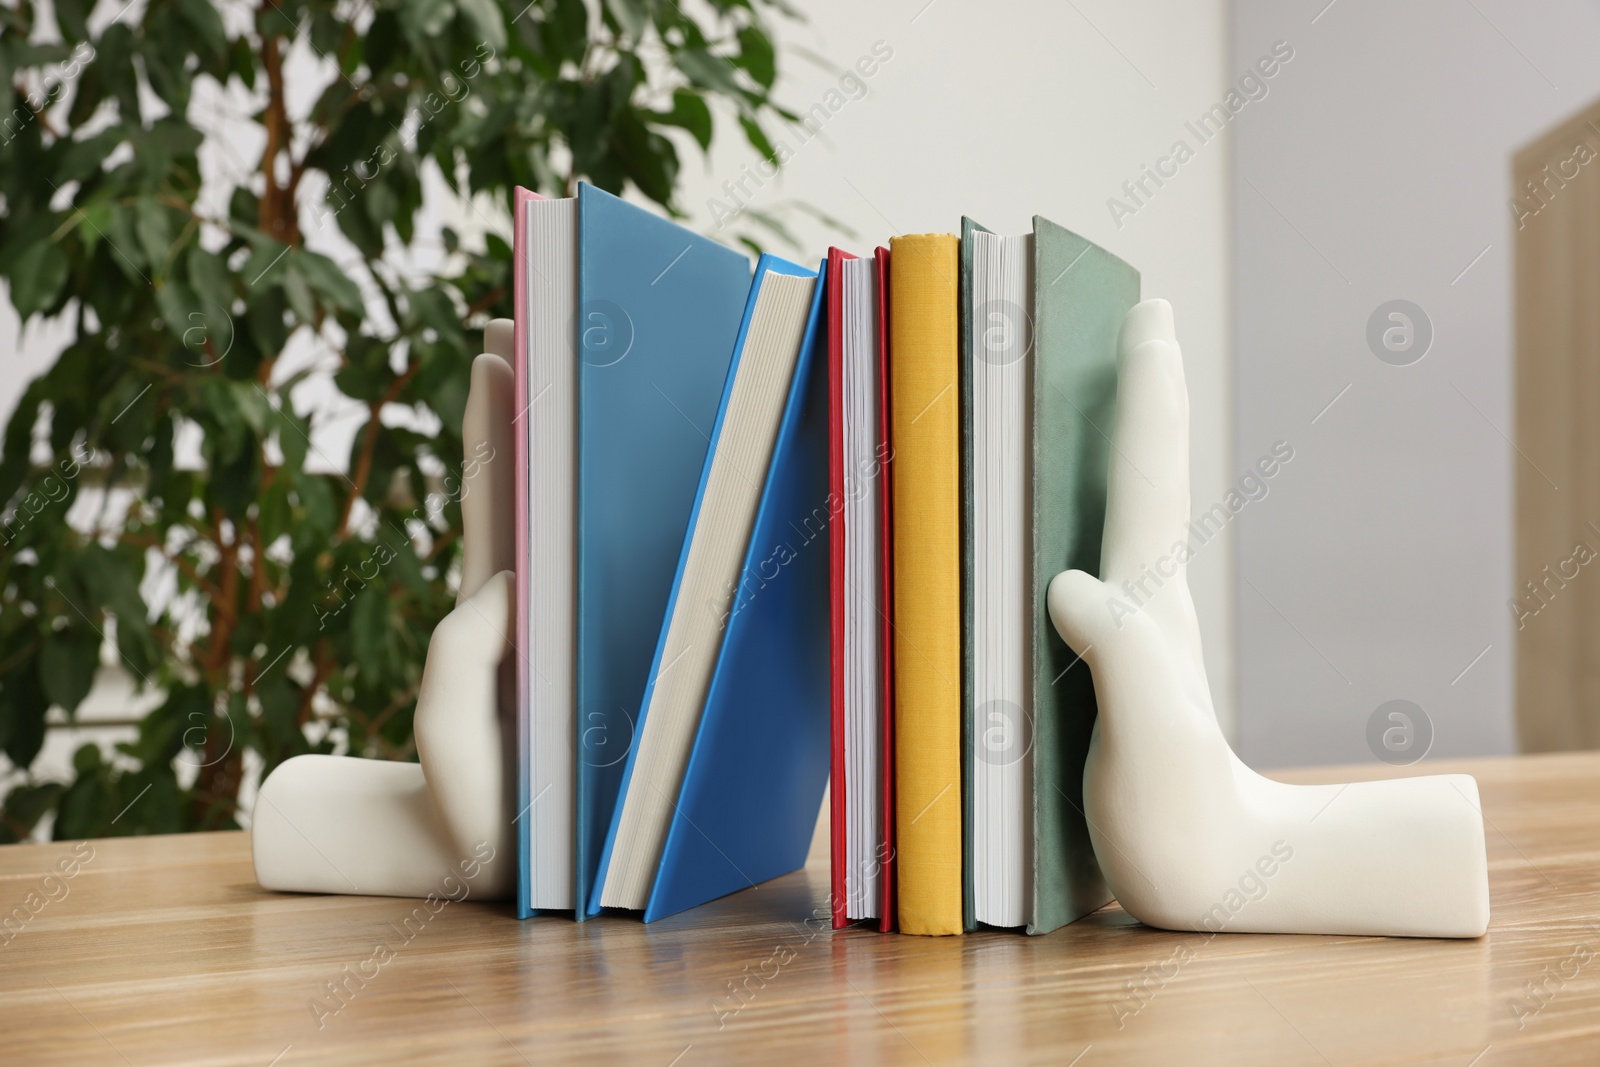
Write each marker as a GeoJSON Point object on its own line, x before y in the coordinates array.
{"type": "Point", "coordinates": [277, 216]}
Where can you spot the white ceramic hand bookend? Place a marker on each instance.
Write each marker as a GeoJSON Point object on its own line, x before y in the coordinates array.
{"type": "Point", "coordinates": [1188, 837]}
{"type": "Point", "coordinates": [331, 824]}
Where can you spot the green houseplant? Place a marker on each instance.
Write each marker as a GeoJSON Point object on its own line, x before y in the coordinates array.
{"type": "Point", "coordinates": [275, 598]}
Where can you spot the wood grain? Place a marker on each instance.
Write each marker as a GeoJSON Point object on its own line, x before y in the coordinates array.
{"type": "Point", "coordinates": [164, 950]}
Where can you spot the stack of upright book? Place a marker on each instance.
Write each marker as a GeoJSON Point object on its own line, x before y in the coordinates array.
{"type": "Point", "coordinates": [973, 387]}
{"type": "Point", "coordinates": [782, 524]}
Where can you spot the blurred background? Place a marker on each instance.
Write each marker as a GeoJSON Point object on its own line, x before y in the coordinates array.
{"type": "Point", "coordinates": [1376, 223]}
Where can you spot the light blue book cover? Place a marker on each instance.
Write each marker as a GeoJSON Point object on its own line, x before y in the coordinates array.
{"type": "Point", "coordinates": [753, 785]}
{"type": "Point", "coordinates": [659, 308]}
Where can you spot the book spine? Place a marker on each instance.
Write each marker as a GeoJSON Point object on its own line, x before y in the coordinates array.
{"type": "Point", "coordinates": [838, 808]}
{"type": "Point", "coordinates": [519, 449]}
{"type": "Point", "coordinates": [964, 350]}
{"type": "Point", "coordinates": [887, 852]}
{"type": "Point", "coordinates": [924, 412]}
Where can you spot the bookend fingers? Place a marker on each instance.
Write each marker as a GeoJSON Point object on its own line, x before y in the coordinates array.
{"type": "Point", "coordinates": [1147, 492]}
{"type": "Point", "coordinates": [485, 484]}
{"type": "Point", "coordinates": [1077, 602]}
{"type": "Point", "coordinates": [499, 338]}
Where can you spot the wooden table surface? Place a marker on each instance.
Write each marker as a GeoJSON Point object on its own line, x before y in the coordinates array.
{"type": "Point", "coordinates": [162, 950]}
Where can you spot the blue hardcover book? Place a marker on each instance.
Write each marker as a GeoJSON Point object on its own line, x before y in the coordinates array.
{"type": "Point", "coordinates": [659, 308]}
{"type": "Point", "coordinates": [724, 787]}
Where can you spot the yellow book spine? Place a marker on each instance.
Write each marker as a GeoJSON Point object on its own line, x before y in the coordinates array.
{"type": "Point", "coordinates": [924, 401]}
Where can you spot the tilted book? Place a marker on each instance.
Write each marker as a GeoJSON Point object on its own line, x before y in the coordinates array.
{"type": "Point", "coordinates": [724, 783]}
{"type": "Point", "coordinates": [658, 310]}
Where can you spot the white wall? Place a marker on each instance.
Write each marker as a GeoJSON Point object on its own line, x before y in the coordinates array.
{"type": "Point", "coordinates": [1378, 168]}
{"type": "Point", "coordinates": [1004, 110]}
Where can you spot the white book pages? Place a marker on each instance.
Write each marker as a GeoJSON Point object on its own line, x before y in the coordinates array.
{"type": "Point", "coordinates": [863, 589]}
{"type": "Point", "coordinates": [1001, 486]}
{"type": "Point", "coordinates": [550, 422]}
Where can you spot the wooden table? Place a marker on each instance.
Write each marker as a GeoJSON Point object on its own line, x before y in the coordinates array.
{"type": "Point", "coordinates": [162, 950]}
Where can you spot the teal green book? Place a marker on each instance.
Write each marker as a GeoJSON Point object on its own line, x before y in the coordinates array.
{"type": "Point", "coordinates": [1081, 294]}
{"type": "Point", "coordinates": [1073, 296]}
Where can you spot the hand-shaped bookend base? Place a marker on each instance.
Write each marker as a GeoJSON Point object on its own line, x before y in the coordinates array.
{"type": "Point", "coordinates": [329, 824]}
{"type": "Point", "coordinates": [1188, 837]}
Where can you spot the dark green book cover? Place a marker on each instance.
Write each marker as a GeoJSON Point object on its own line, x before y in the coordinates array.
{"type": "Point", "coordinates": [1081, 293]}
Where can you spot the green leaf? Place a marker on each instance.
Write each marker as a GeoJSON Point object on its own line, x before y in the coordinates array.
{"type": "Point", "coordinates": [433, 308]}
{"type": "Point", "coordinates": [93, 221]}
{"type": "Point", "coordinates": [689, 112]}
{"type": "Point", "coordinates": [68, 659]}
{"type": "Point", "coordinates": [152, 224]}
{"type": "Point", "coordinates": [180, 312]}
{"type": "Point", "coordinates": [212, 283]}
{"type": "Point", "coordinates": [222, 414]}
{"type": "Point", "coordinates": [159, 458]}
{"type": "Point", "coordinates": [280, 706]}
{"type": "Point", "coordinates": [73, 17]}
{"type": "Point", "coordinates": [165, 60]}
{"type": "Point", "coordinates": [707, 71]}
{"type": "Point", "coordinates": [202, 17]}
{"type": "Point", "coordinates": [121, 234]}
{"type": "Point", "coordinates": [319, 511]}
{"type": "Point", "coordinates": [235, 482]}
{"type": "Point", "coordinates": [264, 318]}
{"type": "Point", "coordinates": [294, 439]}
{"type": "Point", "coordinates": [757, 137]}
{"type": "Point", "coordinates": [25, 806]}
{"type": "Point", "coordinates": [298, 291]}
{"type": "Point", "coordinates": [424, 19]}
{"type": "Point", "coordinates": [369, 630]}
{"type": "Point", "coordinates": [756, 56]}
{"type": "Point", "coordinates": [329, 281]}
{"type": "Point", "coordinates": [253, 406]}
{"type": "Point", "coordinates": [273, 514]}
{"type": "Point", "coordinates": [112, 581]}
{"type": "Point", "coordinates": [647, 158]}
{"type": "Point", "coordinates": [265, 265]}
{"type": "Point", "coordinates": [37, 278]}
{"type": "Point", "coordinates": [631, 17]}
{"type": "Point", "coordinates": [85, 157]}
{"type": "Point", "coordinates": [487, 17]}
{"type": "Point", "coordinates": [114, 61]}
{"type": "Point", "coordinates": [242, 61]}
{"type": "Point", "coordinates": [22, 710]}
{"type": "Point", "coordinates": [565, 31]}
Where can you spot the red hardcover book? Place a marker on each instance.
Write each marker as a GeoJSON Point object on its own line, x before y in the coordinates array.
{"type": "Point", "coordinates": [840, 482]}
{"type": "Point", "coordinates": [838, 820]}
{"type": "Point", "coordinates": [886, 909]}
